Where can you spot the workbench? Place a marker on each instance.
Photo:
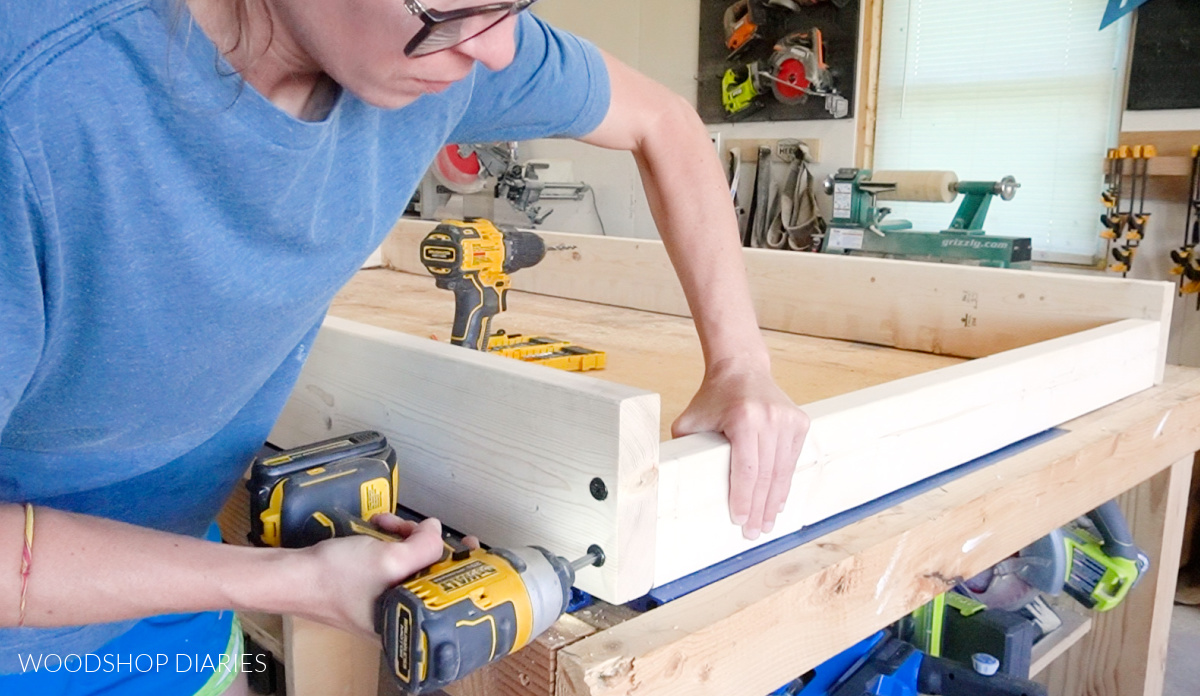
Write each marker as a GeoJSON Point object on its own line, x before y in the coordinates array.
{"type": "Point", "coordinates": [754, 631]}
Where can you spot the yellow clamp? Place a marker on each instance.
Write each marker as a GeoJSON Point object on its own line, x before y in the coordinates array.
{"type": "Point", "coordinates": [1124, 258]}
{"type": "Point", "coordinates": [1182, 257]}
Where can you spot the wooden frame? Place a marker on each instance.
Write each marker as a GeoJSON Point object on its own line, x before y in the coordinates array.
{"type": "Point", "coordinates": [511, 451]}
{"type": "Point", "coordinates": [752, 632]}
{"type": "Point", "coordinates": [778, 619]}
{"type": "Point", "coordinates": [867, 104]}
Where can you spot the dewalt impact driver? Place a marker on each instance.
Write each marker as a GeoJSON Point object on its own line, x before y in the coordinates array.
{"type": "Point", "coordinates": [474, 258]}
{"type": "Point", "coordinates": [468, 609]}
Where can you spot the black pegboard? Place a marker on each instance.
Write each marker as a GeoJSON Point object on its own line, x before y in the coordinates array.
{"type": "Point", "coordinates": [1165, 71]}
{"type": "Point", "coordinates": [839, 25]}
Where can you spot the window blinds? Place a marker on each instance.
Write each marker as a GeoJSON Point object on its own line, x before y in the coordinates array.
{"type": "Point", "coordinates": [988, 88]}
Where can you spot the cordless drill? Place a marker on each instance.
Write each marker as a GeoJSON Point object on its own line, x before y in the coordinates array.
{"type": "Point", "coordinates": [470, 608]}
{"type": "Point", "coordinates": [474, 258]}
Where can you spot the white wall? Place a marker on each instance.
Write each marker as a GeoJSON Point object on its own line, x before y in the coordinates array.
{"type": "Point", "coordinates": [1164, 233]}
{"type": "Point", "coordinates": [659, 38]}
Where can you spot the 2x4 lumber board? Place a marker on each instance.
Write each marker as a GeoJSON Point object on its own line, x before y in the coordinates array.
{"type": "Point", "coordinates": [868, 81]}
{"type": "Point", "coordinates": [323, 661]}
{"type": "Point", "coordinates": [266, 630]}
{"type": "Point", "coordinates": [655, 352]}
{"type": "Point", "coordinates": [874, 441]}
{"type": "Point", "coordinates": [947, 309]}
{"type": "Point", "coordinates": [756, 630]}
{"type": "Point", "coordinates": [1126, 652]}
{"type": "Point", "coordinates": [1191, 529]}
{"type": "Point", "coordinates": [502, 449]}
{"type": "Point", "coordinates": [529, 672]}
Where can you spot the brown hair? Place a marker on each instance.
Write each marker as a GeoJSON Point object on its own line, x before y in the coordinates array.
{"type": "Point", "coordinates": [241, 11]}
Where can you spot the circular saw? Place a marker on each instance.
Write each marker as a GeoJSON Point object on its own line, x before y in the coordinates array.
{"type": "Point", "coordinates": [797, 68]}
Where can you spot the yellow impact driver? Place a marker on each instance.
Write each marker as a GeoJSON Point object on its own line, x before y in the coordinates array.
{"type": "Point", "coordinates": [470, 608]}
{"type": "Point", "coordinates": [474, 258]}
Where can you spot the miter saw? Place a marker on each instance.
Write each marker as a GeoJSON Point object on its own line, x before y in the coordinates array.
{"type": "Point", "coordinates": [860, 225]}
{"type": "Point", "coordinates": [484, 172]}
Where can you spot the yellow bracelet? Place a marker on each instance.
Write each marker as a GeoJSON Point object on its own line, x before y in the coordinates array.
{"type": "Point", "coordinates": [26, 559]}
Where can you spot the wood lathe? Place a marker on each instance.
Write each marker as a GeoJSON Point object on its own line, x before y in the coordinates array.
{"type": "Point", "coordinates": [859, 224]}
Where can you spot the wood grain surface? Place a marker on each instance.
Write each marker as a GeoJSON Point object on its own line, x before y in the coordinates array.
{"type": "Point", "coordinates": [656, 352]}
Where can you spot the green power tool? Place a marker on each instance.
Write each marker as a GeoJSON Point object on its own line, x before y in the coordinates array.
{"type": "Point", "coordinates": [1102, 567]}
{"type": "Point", "coordinates": [1093, 560]}
{"type": "Point", "coordinates": [860, 224]}
{"type": "Point", "coordinates": [741, 89]}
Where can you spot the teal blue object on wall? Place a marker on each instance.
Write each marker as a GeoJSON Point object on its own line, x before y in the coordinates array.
{"type": "Point", "coordinates": [1118, 9]}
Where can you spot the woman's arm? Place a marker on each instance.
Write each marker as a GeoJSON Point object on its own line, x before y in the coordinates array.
{"type": "Point", "coordinates": [92, 570]}
{"type": "Point", "coordinates": [690, 201]}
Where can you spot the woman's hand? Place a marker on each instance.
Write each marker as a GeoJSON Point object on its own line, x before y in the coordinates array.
{"type": "Point", "coordinates": [350, 573]}
{"type": "Point", "coordinates": [765, 430]}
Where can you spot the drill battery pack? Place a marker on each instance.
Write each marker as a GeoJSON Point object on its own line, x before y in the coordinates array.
{"type": "Point", "coordinates": [360, 467]}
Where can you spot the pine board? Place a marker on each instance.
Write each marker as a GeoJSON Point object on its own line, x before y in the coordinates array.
{"type": "Point", "coordinates": [656, 352]}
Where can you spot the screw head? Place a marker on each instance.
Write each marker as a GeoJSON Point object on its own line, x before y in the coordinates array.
{"type": "Point", "coordinates": [598, 552]}
{"type": "Point", "coordinates": [598, 488]}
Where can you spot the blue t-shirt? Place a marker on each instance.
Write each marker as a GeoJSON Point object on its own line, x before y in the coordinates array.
{"type": "Point", "coordinates": [170, 241]}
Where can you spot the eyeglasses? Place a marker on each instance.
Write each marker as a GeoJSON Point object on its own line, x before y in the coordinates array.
{"type": "Point", "coordinates": [448, 29]}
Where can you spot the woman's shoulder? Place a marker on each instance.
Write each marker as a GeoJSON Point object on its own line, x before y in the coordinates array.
{"type": "Point", "coordinates": [34, 33]}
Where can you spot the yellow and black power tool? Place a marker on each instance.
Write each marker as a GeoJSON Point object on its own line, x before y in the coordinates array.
{"type": "Point", "coordinates": [470, 608]}
{"type": "Point", "coordinates": [474, 258]}
{"type": "Point", "coordinates": [292, 493]}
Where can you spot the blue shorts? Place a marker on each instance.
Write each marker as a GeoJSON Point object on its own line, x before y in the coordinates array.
{"type": "Point", "coordinates": [172, 655]}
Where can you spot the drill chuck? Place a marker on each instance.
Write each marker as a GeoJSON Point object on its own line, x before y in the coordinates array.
{"type": "Point", "coordinates": [522, 249]}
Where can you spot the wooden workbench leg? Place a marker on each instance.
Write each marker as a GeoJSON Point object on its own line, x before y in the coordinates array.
{"type": "Point", "coordinates": [323, 661]}
{"type": "Point", "coordinates": [1126, 652]}
{"type": "Point", "coordinates": [1188, 591]}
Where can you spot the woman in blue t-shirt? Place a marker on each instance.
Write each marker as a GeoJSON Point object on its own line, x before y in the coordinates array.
{"type": "Point", "coordinates": [156, 158]}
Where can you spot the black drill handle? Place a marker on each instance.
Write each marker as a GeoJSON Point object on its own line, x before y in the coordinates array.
{"type": "Point", "coordinates": [474, 306]}
{"type": "Point", "coordinates": [945, 678]}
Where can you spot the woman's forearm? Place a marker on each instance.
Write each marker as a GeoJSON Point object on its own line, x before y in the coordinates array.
{"type": "Point", "coordinates": [92, 570]}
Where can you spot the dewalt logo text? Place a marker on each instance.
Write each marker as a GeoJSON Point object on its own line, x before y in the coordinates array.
{"type": "Point", "coordinates": [467, 575]}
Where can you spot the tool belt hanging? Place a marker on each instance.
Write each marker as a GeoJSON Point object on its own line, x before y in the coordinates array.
{"type": "Point", "coordinates": [793, 219]}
